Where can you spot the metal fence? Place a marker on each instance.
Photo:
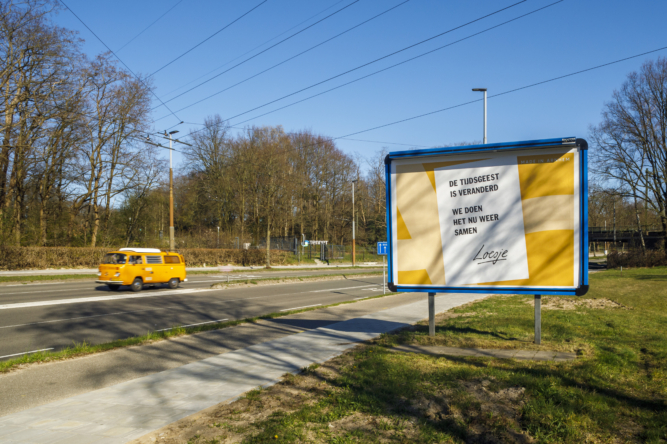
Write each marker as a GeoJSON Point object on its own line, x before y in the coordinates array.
{"type": "Point", "coordinates": [279, 243]}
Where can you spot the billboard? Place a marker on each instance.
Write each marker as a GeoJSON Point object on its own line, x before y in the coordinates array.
{"type": "Point", "coordinates": [494, 218]}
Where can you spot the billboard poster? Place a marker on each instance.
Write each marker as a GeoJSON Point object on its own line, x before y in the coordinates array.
{"type": "Point", "coordinates": [494, 218]}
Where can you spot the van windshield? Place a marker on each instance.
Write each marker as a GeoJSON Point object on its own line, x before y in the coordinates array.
{"type": "Point", "coordinates": [114, 258]}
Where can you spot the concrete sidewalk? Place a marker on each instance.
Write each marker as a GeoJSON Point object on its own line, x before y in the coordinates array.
{"type": "Point", "coordinates": [58, 271]}
{"type": "Point", "coordinates": [126, 411]}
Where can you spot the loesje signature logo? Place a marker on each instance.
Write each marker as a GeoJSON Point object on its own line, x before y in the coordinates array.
{"type": "Point", "coordinates": [490, 257]}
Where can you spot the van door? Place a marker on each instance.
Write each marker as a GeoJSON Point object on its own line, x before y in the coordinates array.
{"type": "Point", "coordinates": [134, 268]}
{"type": "Point", "coordinates": [154, 269]}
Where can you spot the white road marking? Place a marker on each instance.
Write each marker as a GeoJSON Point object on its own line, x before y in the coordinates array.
{"type": "Point", "coordinates": [148, 295]}
{"type": "Point", "coordinates": [100, 298]}
{"type": "Point", "coordinates": [192, 325]}
{"type": "Point", "coordinates": [31, 292]}
{"type": "Point", "coordinates": [305, 306]}
{"type": "Point", "coordinates": [26, 353]}
{"type": "Point", "coordinates": [86, 317]}
{"type": "Point", "coordinates": [40, 283]}
{"type": "Point", "coordinates": [338, 289]}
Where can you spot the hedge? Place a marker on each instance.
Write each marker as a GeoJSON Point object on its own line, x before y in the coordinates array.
{"type": "Point", "coordinates": [635, 258]}
{"type": "Point", "coordinates": [23, 258]}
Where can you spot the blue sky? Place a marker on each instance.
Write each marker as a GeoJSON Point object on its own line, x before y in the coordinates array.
{"type": "Point", "coordinates": [569, 36]}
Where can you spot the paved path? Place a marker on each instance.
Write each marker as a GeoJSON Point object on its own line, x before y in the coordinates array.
{"type": "Point", "coordinates": [126, 411]}
{"type": "Point", "coordinates": [534, 355]}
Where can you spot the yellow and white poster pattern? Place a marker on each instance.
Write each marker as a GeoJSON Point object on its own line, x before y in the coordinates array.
{"type": "Point", "coordinates": [544, 184]}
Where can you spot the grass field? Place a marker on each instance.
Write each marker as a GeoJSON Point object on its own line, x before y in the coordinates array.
{"type": "Point", "coordinates": [614, 392]}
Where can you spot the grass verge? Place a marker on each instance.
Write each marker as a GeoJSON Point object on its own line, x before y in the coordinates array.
{"type": "Point", "coordinates": [83, 348]}
{"type": "Point", "coordinates": [39, 278]}
{"type": "Point", "coordinates": [616, 391]}
{"type": "Point", "coordinates": [290, 280]}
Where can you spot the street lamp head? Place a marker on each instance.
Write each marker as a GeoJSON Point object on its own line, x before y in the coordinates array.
{"type": "Point", "coordinates": [173, 132]}
{"type": "Point", "coordinates": [479, 89]}
{"type": "Point", "coordinates": [355, 181]}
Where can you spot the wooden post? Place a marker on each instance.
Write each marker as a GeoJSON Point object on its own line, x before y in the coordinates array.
{"type": "Point", "coordinates": [431, 314]}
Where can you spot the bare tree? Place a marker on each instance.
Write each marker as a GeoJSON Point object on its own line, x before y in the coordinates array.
{"type": "Point", "coordinates": [630, 144]}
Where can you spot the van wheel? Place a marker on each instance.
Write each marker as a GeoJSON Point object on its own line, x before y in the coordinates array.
{"type": "Point", "coordinates": [173, 283]}
{"type": "Point", "coordinates": [114, 287]}
{"type": "Point", "coordinates": [137, 285]}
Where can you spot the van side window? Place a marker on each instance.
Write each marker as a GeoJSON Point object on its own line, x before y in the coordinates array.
{"type": "Point", "coordinates": [153, 259]}
{"type": "Point", "coordinates": [135, 260]}
{"type": "Point", "coordinates": [172, 260]}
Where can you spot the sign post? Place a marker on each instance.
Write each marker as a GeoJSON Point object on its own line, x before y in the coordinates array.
{"type": "Point", "coordinates": [505, 218]}
{"type": "Point", "coordinates": [538, 319]}
{"type": "Point", "coordinates": [382, 251]}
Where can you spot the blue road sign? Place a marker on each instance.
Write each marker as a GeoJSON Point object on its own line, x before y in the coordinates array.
{"type": "Point", "coordinates": [382, 248]}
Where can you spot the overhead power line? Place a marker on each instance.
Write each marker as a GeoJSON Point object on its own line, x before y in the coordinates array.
{"type": "Point", "coordinates": [297, 55]}
{"type": "Point", "coordinates": [116, 55]}
{"type": "Point", "coordinates": [367, 63]}
{"type": "Point", "coordinates": [264, 50]}
{"type": "Point", "coordinates": [251, 50]}
{"type": "Point", "coordinates": [473, 101]}
{"type": "Point", "coordinates": [383, 69]}
{"type": "Point", "coordinates": [147, 27]}
{"type": "Point", "coordinates": [503, 93]}
{"type": "Point", "coordinates": [209, 37]}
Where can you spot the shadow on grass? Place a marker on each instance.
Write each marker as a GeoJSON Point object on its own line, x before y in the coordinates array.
{"type": "Point", "coordinates": [651, 277]}
{"type": "Point", "coordinates": [463, 330]}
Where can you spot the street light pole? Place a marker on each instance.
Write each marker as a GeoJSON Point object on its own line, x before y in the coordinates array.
{"type": "Point", "coordinates": [172, 242]}
{"type": "Point", "coordinates": [354, 247]}
{"type": "Point", "coordinates": [483, 90]}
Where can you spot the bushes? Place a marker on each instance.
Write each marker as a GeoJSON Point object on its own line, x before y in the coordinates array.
{"type": "Point", "coordinates": [635, 258]}
{"type": "Point", "coordinates": [22, 258]}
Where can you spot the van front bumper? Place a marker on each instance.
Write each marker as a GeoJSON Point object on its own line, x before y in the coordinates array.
{"type": "Point", "coordinates": [110, 282]}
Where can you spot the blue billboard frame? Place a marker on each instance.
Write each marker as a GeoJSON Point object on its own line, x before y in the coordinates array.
{"type": "Point", "coordinates": [568, 142]}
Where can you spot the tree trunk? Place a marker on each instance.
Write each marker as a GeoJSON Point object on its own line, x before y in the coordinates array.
{"type": "Point", "coordinates": [268, 242]}
{"type": "Point", "coordinates": [639, 228]}
{"type": "Point", "coordinates": [96, 225]}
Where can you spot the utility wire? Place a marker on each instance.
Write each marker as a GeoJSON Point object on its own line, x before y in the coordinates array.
{"type": "Point", "coordinates": [368, 63]}
{"type": "Point", "coordinates": [119, 59]}
{"type": "Point", "coordinates": [295, 56]}
{"type": "Point", "coordinates": [503, 93]}
{"type": "Point", "coordinates": [210, 37]}
{"type": "Point", "coordinates": [251, 50]}
{"type": "Point", "coordinates": [473, 101]}
{"type": "Point", "coordinates": [263, 51]}
{"type": "Point", "coordinates": [383, 69]}
{"type": "Point", "coordinates": [146, 28]}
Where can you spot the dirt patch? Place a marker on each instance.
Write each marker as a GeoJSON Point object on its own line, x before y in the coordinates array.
{"type": "Point", "coordinates": [260, 282]}
{"type": "Point", "coordinates": [561, 303]}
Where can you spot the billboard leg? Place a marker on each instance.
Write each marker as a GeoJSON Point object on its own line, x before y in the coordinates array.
{"type": "Point", "coordinates": [538, 319]}
{"type": "Point", "coordinates": [431, 314]}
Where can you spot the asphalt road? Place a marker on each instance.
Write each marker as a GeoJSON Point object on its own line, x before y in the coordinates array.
{"type": "Point", "coordinates": [56, 315]}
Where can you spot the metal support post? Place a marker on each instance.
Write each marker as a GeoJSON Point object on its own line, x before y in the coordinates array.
{"type": "Point", "coordinates": [172, 242]}
{"type": "Point", "coordinates": [384, 278]}
{"type": "Point", "coordinates": [538, 319]}
{"type": "Point", "coordinates": [354, 249]}
{"type": "Point", "coordinates": [431, 314]}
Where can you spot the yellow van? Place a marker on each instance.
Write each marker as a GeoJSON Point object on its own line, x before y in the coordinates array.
{"type": "Point", "coordinates": [137, 267]}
